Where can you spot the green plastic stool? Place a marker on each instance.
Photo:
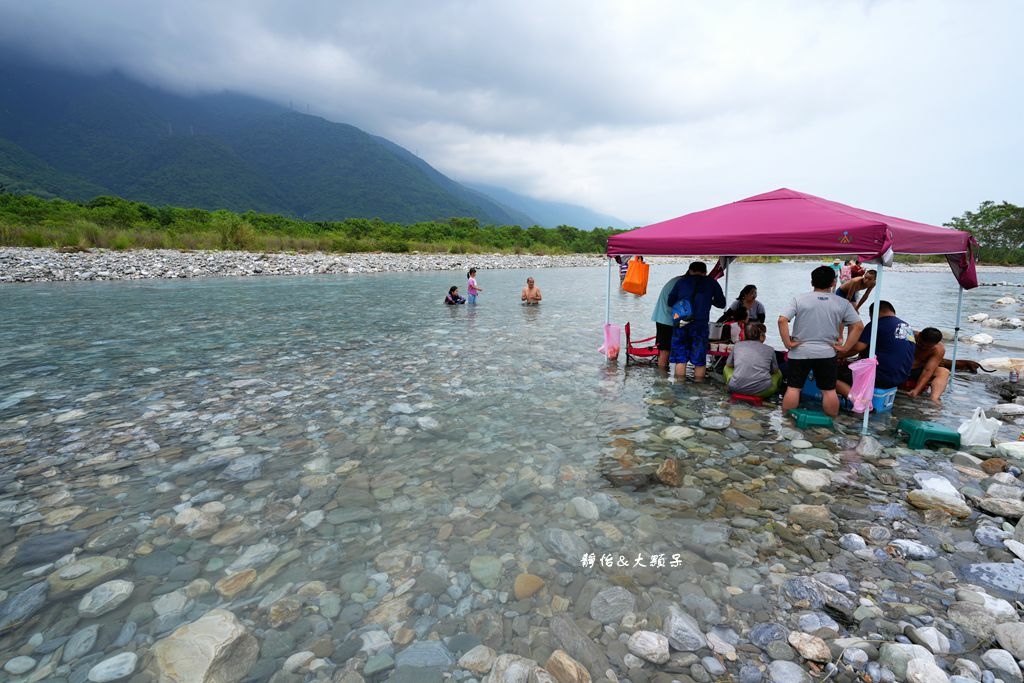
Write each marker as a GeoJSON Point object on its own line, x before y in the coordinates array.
{"type": "Point", "coordinates": [919, 432]}
{"type": "Point", "coordinates": [810, 418]}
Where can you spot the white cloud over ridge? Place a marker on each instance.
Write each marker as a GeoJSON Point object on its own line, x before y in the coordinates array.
{"type": "Point", "coordinates": [643, 110]}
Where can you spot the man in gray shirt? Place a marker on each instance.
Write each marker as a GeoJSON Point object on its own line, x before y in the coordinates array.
{"type": "Point", "coordinates": [819, 317]}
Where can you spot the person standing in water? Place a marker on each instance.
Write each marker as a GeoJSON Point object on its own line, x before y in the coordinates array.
{"type": "Point", "coordinates": [472, 289]}
{"type": "Point", "coordinates": [531, 293]}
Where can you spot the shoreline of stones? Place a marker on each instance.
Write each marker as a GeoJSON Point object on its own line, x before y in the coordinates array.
{"type": "Point", "coordinates": [29, 264]}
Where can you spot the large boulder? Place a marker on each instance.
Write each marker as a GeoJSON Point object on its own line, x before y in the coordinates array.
{"type": "Point", "coordinates": [216, 648]}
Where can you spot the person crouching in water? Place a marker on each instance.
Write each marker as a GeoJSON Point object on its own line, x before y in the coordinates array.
{"type": "Point", "coordinates": [453, 297]}
{"type": "Point", "coordinates": [752, 368]}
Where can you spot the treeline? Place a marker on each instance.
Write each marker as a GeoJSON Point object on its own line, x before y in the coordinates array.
{"type": "Point", "coordinates": [115, 223]}
{"type": "Point", "coordinates": [999, 229]}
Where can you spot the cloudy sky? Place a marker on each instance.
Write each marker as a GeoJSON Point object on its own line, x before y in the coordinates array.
{"type": "Point", "coordinates": [642, 110]}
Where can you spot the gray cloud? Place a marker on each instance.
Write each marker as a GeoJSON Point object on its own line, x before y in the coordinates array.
{"type": "Point", "coordinates": [643, 110]}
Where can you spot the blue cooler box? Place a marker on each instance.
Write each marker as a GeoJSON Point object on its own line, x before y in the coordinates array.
{"type": "Point", "coordinates": [883, 399]}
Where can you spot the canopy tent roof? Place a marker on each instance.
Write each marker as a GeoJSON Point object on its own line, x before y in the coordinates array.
{"type": "Point", "coordinates": [786, 222]}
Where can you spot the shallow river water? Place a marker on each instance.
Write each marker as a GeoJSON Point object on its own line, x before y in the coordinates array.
{"type": "Point", "coordinates": [357, 472]}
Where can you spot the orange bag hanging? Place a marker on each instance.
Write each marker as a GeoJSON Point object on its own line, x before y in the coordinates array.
{"type": "Point", "coordinates": [635, 281]}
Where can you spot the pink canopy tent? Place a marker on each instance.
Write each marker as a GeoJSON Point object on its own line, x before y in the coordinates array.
{"type": "Point", "coordinates": [786, 222]}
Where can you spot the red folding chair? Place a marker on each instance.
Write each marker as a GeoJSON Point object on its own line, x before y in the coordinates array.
{"type": "Point", "coordinates": [638, 352]}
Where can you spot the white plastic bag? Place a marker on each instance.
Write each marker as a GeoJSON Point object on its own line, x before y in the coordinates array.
{"type": "Point", "coordinates": [979, 430]}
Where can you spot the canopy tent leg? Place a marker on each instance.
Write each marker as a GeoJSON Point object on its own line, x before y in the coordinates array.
{"type": "Point", "coordinates": [956, 334]}
{"type": "Point", "coordinates": [874, 332]}
{"type": "Point", "coordinates": [725, 289]}
{"type": "Point", "coordinates": [608, 297]}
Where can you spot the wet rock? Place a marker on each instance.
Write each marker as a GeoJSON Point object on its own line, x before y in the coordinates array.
{"type": "Point", "coordinates": [479, 659]}
{"type": "Point", "coordinates": [244, 468]}
{"type": "Point", "coordinates": [425, 653]}
{"type": "Point", "coordinates": [683, 631]}
{"type": "Point", "coordinates": [233, 585]}
{"type": "Point", "coordinates": [787, 672]}
{"type": "Point", "coordinates": [511, 669]}
{"type": "Point", "coordinates": [216, 648]}
{"type": "Point", "coordinates": [105, 597]}
{"type": "Point", "coordinates": [896, 657]}
{"type": "Point", "coordinates": [924, 671]}
{"type": "Point", "coordinates": [911, 550]}
{"type": "Point", "coordinates": [999, 575]}
{"type": "Point", "coordinates": [114, 668]}
{"type": "Point", "coordinates": [811, 516]}
{"type": "Point", "coordinates": [926, 500]}
{"type": "Point", "coordinates": [811, 480]}
{"type": "Point", "coordinates": [526, 585]}
{"type": "Point", "coordinates": [564, 545]}
{"type": "Point", "coordinates": [650, 646]}
{"type": "Point", "coordinates": [44, 548]}
{"type": "Point", "coordinates": [486, 569]}
{"type": "Point", "coordinates": [611, 604]}
{"type": "Point", "coordinates": [1011, 638]}
{"type": "Point", "coordinates": [1002, 507]}
{"type": "Point", "coordinates": [810, 647]}
{"type": "Point", "coordinates": [580, 647]}
{"type": "Point", "coordinates": [84, 574]}
{"type": "Point", "coordinates": [669, 473]}
{"type": "Point", "coordinates": [715, 422]}
{"type": "Point", "coordinates": [565, 669]}
{"type": "Point", "coordinates": [20, 607]}
{"type": "Point", "coordinates": [80, 644]}
{"type": "Point", "coordinates": [19, 665]}
{"type": "Point", "coordinates": [1003, 663]}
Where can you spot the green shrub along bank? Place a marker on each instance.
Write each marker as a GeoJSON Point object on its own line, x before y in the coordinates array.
{"type": "Point", "coordinates": [114, 223]}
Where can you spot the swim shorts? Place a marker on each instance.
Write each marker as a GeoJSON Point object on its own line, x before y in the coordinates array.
{"type": "Point", "coordinates": [690, 344]}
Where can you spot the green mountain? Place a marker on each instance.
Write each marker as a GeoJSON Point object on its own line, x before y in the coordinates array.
{"type": "Point", "coordinates": [77, 136]}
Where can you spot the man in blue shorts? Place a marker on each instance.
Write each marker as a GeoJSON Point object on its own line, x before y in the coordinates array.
{"type": "Point", "coordinates": [818, 316]}
{"type": "Point", "coordinates": [690, 343]}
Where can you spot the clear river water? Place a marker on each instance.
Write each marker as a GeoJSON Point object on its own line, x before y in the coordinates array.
{"type": "Point", "coordinates": [353, 431]}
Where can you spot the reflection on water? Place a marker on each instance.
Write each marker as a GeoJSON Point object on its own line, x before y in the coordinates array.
{"type": "Point", "coordinates": [343, 436]}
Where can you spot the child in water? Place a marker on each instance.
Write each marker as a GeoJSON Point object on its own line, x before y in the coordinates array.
{"type": "Point", "coordinates": [453, 297]}
{"type": "Point", "coordinates": [471, 287]}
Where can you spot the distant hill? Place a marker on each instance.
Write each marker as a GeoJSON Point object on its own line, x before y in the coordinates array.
{"type": "Point", "coordinates": [78, 136]}
{"type": "Point", "coordinates": [550, 214]}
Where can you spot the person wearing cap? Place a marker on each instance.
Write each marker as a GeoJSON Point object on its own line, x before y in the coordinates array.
{"type": "Point", "coordinates": [837, 266]}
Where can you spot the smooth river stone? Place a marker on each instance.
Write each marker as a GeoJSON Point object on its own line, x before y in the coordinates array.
{"type": "Point", "coordinates": [114, 669]}
{"type": "Point", "coordinates": [526, 585]}
{"type": "Point", "coordinates": [84, 574]}
{"type": "Point", "coordinates": [927, 500]}
{"type": "Point", "coordinates": [611, 605]}
{"type": "Point", "coordinates": [811, 480]}
{"type": "Point", "coordinates": [1011, 509]}
{"type": "Point", "coordinates": [63, 515]}
{"type": "Point", "coordinates": [230, 586]}
{"type": "Point", "coordinates": [104, 539]}
{"type": "Point", "coordinates": [676, 433]}
{"type": "Point", "coordinates": [216, 648]}
{"type": "Point", "coordinates": [234, 535]}
{"type": "Point", "coordinates": [19, 607]}
{"type": "Point", "coordinates": [105, 597]}
{"type": "Point", "coordinates": [650, 646]}
{"type": "Point", "coordinates": [43, 548]}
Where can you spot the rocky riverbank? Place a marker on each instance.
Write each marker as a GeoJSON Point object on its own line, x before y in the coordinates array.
{"type": "Point", "coordinates": [20, 264]}
{"type": "Point", "coordinates": [24, 264]}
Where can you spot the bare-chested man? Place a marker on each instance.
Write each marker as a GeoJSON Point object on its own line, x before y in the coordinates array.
{"type": "Point", "coordinates": [926, 371]}
{"type": "Point", "coordinates": [531, 293]}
